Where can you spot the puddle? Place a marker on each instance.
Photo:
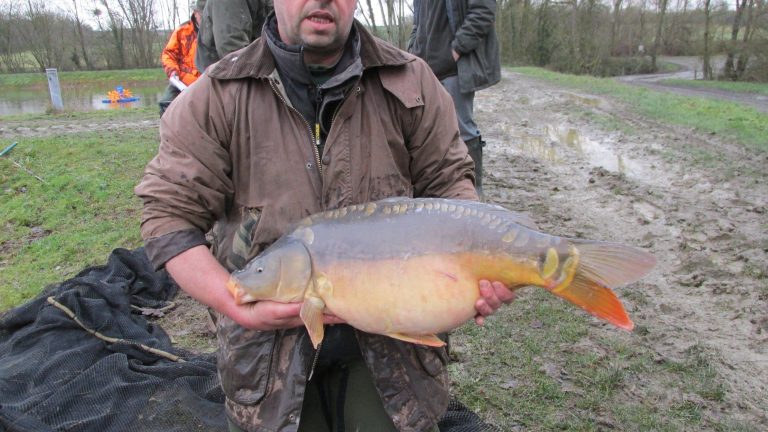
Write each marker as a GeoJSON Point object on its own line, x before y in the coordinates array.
{"type": "Point", "coordinates": [75, 99]}
{"type": "Point", "coordinates": [584, 100]}
{"type": "Point", "coordinates": [556, 145]}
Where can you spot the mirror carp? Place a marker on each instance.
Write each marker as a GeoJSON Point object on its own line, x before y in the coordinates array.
{"type": "Point", "coordinates": [409, 268]}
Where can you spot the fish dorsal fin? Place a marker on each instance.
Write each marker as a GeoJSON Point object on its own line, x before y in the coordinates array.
{"type": "Point", "coordinates": [613, 264]}
{"type": "Point", "coordinates": [429, 340]}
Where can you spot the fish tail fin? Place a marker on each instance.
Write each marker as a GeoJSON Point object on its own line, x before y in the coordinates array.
{"type": "Point", "coordinates": [599, 267]}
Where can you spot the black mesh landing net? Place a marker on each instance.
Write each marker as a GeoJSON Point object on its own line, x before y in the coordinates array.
{"type": "Point", "coordinates": [78, 358]}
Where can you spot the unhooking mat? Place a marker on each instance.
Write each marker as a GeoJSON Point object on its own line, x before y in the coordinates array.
{"type": "Point", "coordinates": [78, 358]}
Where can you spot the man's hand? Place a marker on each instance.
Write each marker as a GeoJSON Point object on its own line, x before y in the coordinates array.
{"type": "Point", "coordinates": [268, 315]}
{"type": "Point", "coordinates": [455, 55]}
{"type": "Point", "coordinates": [198, 273]}
{"type": "Point", "coordinates": [492, 296]}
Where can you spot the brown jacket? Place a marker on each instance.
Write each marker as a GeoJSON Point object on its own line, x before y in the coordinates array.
{"type": "Point", "coordinates": [239, 160]}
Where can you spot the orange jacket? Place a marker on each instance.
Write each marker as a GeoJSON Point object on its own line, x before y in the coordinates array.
{"type": "Point", "coordinates": [179, 54]}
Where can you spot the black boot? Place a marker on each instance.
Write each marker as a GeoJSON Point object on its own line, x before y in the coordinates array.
{"type": "Point", "coordinates": [475, 148]}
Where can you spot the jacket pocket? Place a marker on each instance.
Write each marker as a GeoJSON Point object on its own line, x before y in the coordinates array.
{"type": "Point", "coordinates": [245, 360]}
{"type": "Point", "coordinates": [433, 360]}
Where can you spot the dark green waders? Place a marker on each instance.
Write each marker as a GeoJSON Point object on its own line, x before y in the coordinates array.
{"type": "Point", "coordinates": [342, 398]}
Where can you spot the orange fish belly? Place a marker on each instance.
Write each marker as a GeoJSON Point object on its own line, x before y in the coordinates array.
{"type": "Point", "coordinates": [414, 295]}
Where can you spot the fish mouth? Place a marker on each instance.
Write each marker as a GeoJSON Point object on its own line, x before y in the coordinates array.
{"type": "Point", "coordinates": [234, 288]}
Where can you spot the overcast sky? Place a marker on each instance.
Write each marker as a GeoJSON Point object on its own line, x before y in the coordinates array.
{"type": "Point", "coordinates": [183, 9]}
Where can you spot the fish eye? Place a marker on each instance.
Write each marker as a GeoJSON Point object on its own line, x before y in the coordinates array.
{"type": "Point", "coordinates": [259, 270]}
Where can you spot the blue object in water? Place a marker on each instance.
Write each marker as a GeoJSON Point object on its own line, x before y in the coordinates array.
{"type": "Point", "coordinates": [122, 100]}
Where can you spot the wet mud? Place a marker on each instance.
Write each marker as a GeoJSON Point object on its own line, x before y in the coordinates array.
{"type": "Point", "coordinates": [647, 184]}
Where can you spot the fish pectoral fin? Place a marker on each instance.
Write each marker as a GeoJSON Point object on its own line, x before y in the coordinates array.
{"type": "Point", "coordinates": [429, 340]}
{"type": "Point", "coordinates": [312, 315]}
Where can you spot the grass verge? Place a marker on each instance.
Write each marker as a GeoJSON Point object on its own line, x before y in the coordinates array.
{"type": "Point", "coordinates": [83, 78]}
{"type": "Point", "coordinates": [740, 87]}
{"type": "Point", "coordinates": [82, 209]}
{"type": "Point", "coordinates": [743, 124]}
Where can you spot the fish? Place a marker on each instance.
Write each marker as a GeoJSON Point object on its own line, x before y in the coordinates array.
{"type": "Point", "coordinates": [409, 268]}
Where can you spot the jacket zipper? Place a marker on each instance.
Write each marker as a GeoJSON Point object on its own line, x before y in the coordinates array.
{"type": "Point", "coordinates": [314, 361]}
{"type": "Point", "coordinates": [315, 137]}
{"type": "Point", "coordinates": [318, 101]}
{"type": "Point", "coordinates": [306, 123]}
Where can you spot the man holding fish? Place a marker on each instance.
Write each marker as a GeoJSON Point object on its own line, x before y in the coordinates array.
{"type": "Point", "coordinates": [315, 115]}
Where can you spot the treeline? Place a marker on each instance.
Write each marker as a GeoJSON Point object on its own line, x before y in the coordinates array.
{"type": "Point", "coordinates": [595, 37]}
{"type": "Point", "coordinates": [627, 36]}
{"type": "Point", "coordinates": [85, 34]}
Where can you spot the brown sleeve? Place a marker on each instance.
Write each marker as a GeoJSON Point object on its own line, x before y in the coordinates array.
{"type": "Point", "coordinates": [187, 185]}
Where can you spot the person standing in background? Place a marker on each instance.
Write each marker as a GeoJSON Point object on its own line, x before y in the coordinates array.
{"type": "Point", "coordinates": [178, 57]}
{"type": "Point", "coordinates": [227, 26]}
{"type": "Point", "coordinates": [458, 41]}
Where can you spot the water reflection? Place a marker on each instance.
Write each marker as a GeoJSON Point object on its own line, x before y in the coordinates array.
{"type": "Point", "coordinates": [88, 98]}
{"type": "Point", "coordinates": [557, 143]}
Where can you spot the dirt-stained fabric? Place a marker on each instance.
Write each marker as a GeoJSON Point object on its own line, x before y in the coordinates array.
{"type": "Point", "coordinates": [242, 158]}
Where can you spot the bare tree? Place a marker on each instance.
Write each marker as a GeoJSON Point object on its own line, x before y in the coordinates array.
{"type": "Point", "coordinates": [743, 59]}
{"type": "Point", "coordinates": [116, 28]}
{"type": "Point", "coordinates": [662, 10]}
{"type": "Point", "coordinates": [44, 35]}
{"type": "Point", "coordinates": [372, 15]}
{"type": "Point", "coordinates": [10, 39]}
{"type": "Point", "coordinates": [706, 60]}
{"type": "Point", "coordinates": [140, 16]}
{"type": "Point", "coordinates": [615, 23]}
{"type": "Point", "coordinates": [80, 35]}
{"type": "Point", "coordinates": [730, 69]}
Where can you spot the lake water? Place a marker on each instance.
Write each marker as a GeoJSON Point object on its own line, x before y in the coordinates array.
{"type": "Point", "coordinates": [82, 98]}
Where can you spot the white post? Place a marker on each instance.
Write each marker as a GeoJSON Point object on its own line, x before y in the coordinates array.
{"type": "Point", "coordinates": [54, 89]}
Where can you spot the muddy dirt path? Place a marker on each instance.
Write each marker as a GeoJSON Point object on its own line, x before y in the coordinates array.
{"type": "Point", "coordinates": [705, 221]}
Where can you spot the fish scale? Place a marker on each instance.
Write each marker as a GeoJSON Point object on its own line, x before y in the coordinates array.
{"type": "Point", "coordinates": [410, 268]}
{"type": "Point", "coordinates": [355, 230]}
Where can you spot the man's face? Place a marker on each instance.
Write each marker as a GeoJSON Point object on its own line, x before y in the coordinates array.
{"type": "Point", "coordinates": [322, 27]}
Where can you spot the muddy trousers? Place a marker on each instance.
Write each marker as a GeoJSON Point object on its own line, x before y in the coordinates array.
{"type": "Point", "coordinates": [343, 399]}
{"type": "Point", "coordinates": [168, 96]}
{"type": "Point", "coordinates": [475, 148]}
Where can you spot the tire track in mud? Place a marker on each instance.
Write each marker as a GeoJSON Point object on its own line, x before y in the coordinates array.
{"type": "Point", "coordinates": [37, 128]}
{"type": "Point", "coordinates": [704, 220]}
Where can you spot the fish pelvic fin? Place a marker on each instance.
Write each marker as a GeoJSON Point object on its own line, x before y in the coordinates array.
{"type": "Point", "coordinates": [592, 270]}
{"type": "Point", "coordinates": [312, 315]}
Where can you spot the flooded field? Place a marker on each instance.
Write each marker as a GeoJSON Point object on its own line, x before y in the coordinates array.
{"type": "Point", "coordinates": [76, 98]}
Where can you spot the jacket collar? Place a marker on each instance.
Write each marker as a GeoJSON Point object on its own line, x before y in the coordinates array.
{"type": "Point", "coordinates": [256, 60]}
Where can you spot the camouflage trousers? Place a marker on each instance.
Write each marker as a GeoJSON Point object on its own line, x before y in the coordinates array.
{"type": "Point", "coordinates": [342, 398]}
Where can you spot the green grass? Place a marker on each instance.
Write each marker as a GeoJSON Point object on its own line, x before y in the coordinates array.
{"type": "Point", "coordinates": [80, 78]}
{"type": "Point", "coordinates": [84, 208]}
{"type": "Point", "coordinates": [743, 124]}
{"type": "Point", "coordinates": [544, 365]}
{"type": "Point", "coordinates": [741, 87]}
